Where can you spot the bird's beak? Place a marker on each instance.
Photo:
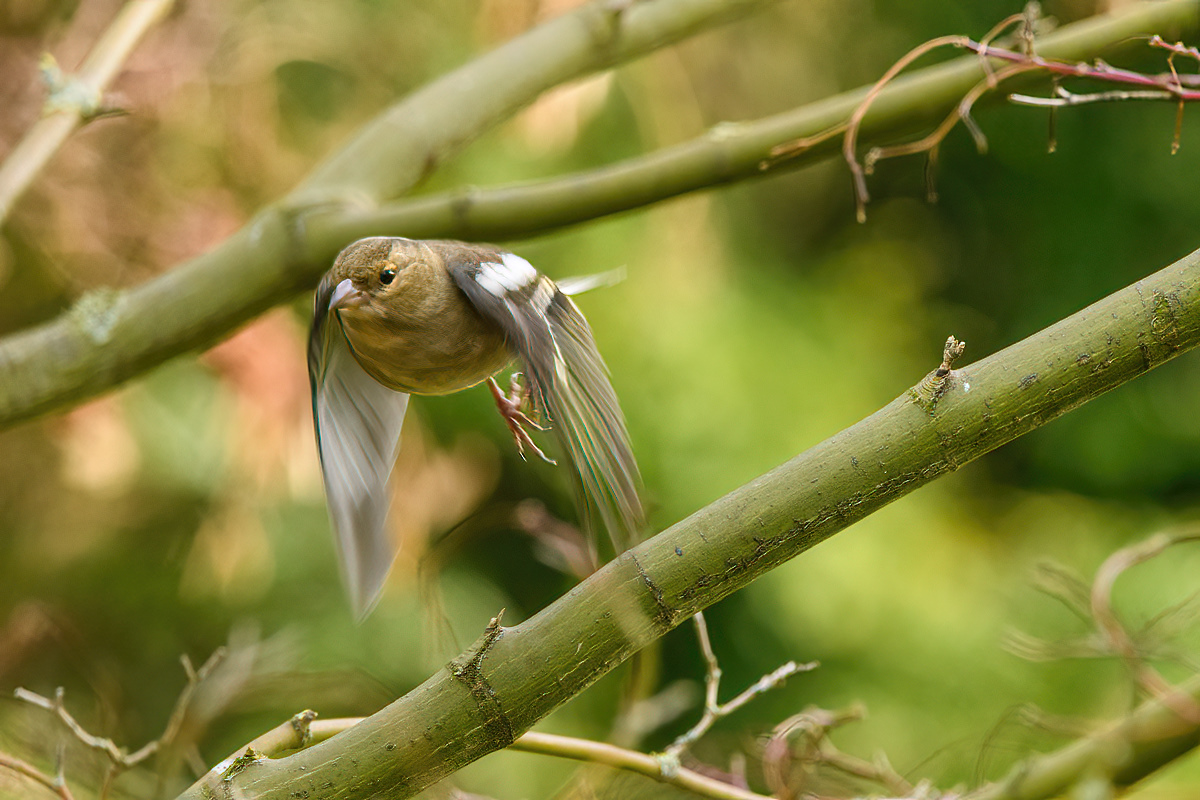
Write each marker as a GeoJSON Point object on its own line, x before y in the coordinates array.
{"type": "Point", "coordinates": [346, 296]}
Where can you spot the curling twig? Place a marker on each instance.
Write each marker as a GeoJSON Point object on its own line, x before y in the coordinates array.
{"type": "Point", "coordinates": [1168, 86]}
{"type": "Point", "coordinates": [95, 75]}
{"type": "Point", "coordinates": [1119, 640]}
{"type": "Point", "coordinates": [810, 729]}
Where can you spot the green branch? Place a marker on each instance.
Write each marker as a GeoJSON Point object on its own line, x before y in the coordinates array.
{"type": "Point", "coordinates": [513, 677]}
{"type": "Point", "coordinates": [112, 336]}
{"type": "Point", "coordinates": [727, 153]}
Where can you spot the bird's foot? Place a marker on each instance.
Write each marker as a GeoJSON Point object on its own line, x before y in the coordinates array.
{"type": "Point", "coordinates": [517, 420]}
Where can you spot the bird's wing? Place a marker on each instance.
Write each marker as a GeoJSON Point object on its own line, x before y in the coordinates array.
{"type": "Point", "coordinates": [357, 420]}
{"type": "Point", "coordinates": [569, 378]}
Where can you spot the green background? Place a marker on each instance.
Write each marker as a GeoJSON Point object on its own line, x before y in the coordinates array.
{"type": "Point", "coordinates": [185, 510]}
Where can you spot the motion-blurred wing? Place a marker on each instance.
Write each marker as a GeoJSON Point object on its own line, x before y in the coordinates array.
{"type": "Point", "coordinates": [569, 378]}
{"type": "Point", "coordinates": [357, 420]}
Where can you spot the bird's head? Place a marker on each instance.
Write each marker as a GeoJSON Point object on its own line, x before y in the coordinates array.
{"type": "Point", "coordinates": [371, 272]}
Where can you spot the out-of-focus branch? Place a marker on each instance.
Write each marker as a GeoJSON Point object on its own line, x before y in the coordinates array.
{"type": "Point", "coordinates": [729, 152]}
{"type": "Point", "coordinates": [119, 759]}
{"type": "Point", "coordinates": [95, 75]}
{"type": "Point", "coordinates": [55, 784]}
{"type": "Point", "coordinates": [1121, 754]}
{"type": "Point", "coordinates": [111, 336]}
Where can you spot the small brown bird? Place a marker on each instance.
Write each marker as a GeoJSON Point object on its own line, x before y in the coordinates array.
{"type": "Point", "coordinates": [395, 317]}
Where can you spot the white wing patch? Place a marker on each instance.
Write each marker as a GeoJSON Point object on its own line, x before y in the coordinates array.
{"type": "Point", "coordinates": [511, 274]}
{"type": "Point", "coordinates": [358, 424]}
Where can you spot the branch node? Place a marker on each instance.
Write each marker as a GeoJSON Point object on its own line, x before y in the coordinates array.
{"type": "Point", "coordinates": [468, 670]}
{"type": "Point", "coordinates": [302, 724]}
{"type": "Point", "coordinates": [246, 759]}
{"type": "Point", "coordinates": [96, 313]}
{"type": "Point", "coordinates": [933, 386]}
{"type": "Point", "coordinates": [69, 93]}
{"type": "Point", "coordinates": [668, 764]}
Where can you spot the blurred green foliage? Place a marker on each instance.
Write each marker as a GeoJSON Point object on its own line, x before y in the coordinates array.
{"type": "Point", "coordinates": [756, 320]}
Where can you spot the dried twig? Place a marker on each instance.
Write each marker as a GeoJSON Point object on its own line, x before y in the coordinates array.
{"type": "Point", "coordinates": [1168, 86]}
{"type": "Point", "coordinates": [1117, 637]}
{"type": "Point", "coordinates": [55, 784]}
{"type": "Point", "coordinates": [804, 738]}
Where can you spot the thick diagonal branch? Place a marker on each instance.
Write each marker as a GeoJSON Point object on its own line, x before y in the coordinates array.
{"type": "Point", "coordinates": [528, 670]}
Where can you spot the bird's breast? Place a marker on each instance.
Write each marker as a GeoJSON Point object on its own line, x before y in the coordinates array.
{"type": "Point", "coordinates": [427, 350]}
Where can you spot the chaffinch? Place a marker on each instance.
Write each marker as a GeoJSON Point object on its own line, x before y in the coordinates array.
{"type": "Point", "coordinates": [395, 317]}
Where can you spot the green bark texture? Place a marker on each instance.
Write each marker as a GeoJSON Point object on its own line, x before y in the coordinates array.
{"type": "Point", "coordinates": [513, 677]}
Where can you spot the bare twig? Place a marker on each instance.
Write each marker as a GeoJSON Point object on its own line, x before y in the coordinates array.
{"type": "Point", "coordinates": [1063, 98]}
{"type": "Point", "coordinates": [630, 761]}
{"type": "Point", "coordinates": [1119, 640]}
{"type": "Point", "coordinates": [713, 710]}
{"type": "Point", "coordinates": [99, 69]}
{"type": "Point", "coordinates": [55, 784]}
{"type": "Point", "coordinates": [121, 760]}
{"type": "Point", "coordinates": [810, 731]}
{"type": "Point", "coordinates": [1169, 86]}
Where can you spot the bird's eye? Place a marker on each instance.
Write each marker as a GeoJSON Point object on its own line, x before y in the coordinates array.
{"type": "Point", "coordinates": [387, 276]}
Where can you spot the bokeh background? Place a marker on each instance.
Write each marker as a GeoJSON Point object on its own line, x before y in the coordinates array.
{"type": "Point", "coordinates": [184, 511]}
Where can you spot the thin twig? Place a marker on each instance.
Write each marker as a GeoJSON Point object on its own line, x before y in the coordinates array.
{"type": "Point", "coordinates": [20, 767]}
{"type": "Point", "coordinates": [811, 730]}
{"type": "Point", "coordinates": [119, 759]}
{"type": "Point", "coordinates": [1119, 639]}
{"type": "Point", "coordinates": [95, 75]}
{"type": "Point", "coordinates": [630, 761]}
{"type": "Point", "coordinates": [1158, 87]}
{"type": "Point", "coordinates": [714, 710]}
{"type": "Point", "coordinates": [107, 746]}
{"type": "Point", "coordinates": [1063, 98]}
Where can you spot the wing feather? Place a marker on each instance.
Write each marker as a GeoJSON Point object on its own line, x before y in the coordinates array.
{"type": "Point", "coordinates": [569, 378]}
{"type": "Point", "coordinates": [357, 421]}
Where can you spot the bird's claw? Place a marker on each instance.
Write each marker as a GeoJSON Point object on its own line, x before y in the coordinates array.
{"type": "Point", "coordinates": [517, 420]}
